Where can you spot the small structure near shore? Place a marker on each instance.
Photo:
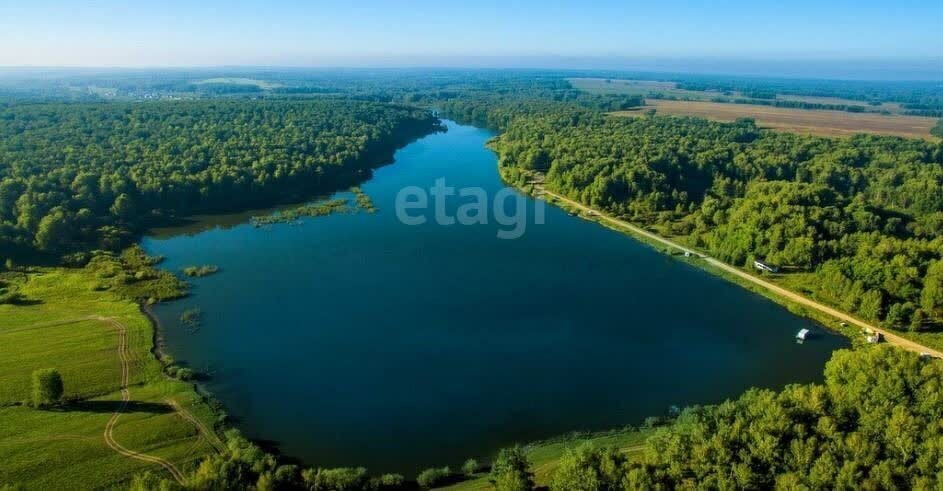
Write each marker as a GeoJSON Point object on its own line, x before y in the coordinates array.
{"type": "Point", "coordinates": [764, 266]}
{"type": "Point", "coordinates": [872, 337]}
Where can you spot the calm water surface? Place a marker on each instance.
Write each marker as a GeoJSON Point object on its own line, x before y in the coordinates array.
{"type": "Point", "coordinates": [358, 340]}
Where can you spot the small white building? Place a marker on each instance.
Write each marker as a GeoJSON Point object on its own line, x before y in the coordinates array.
{"type": "Point", "coordinates": [763, 266]}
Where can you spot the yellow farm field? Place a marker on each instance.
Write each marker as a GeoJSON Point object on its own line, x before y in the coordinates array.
{"type": "Point", "coordinates": [815, 122]}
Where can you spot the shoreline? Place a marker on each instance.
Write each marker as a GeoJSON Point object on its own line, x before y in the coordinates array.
{"type": "Point", "coordinates": [829, 317]}
{"type": "Point", "coordinates": [219, 409]}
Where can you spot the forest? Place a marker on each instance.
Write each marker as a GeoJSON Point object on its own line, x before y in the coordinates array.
{"type": "Point", "coordinates": [77, 177]}
{"type": "Point", "coordinates": [861, 218]}
{"type": "Point", "coordinates": [858, 222]}
{"type": "Point", "coordinates": [873, 424]}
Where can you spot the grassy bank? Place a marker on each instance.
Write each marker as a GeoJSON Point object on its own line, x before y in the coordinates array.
{"type": "Point", "coordinates": [785, 280]}
{"type": "Point", "coordinates": [544, 456]}
{"type": "Point", "coordinates": [61, 324]}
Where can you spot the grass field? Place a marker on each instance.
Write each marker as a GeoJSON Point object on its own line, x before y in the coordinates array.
{"type": "Point", "coordinates": [64, 447]}
{"type": "Point", "coordinates": [638, 87]}
{"type": "Point", "coordinates": [262, 84]}
{"type": "Point", "coordinates": [670, 89]}
{"type": "Point", "coordinates": [90, 369]}
{"type": "Point", "coordinates": [544, 457]}
{"type": "Point", "coordinates": [814, 122]}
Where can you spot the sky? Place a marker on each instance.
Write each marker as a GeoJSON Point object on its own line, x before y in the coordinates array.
{"type": "Point", "coordinates": [145, 33]}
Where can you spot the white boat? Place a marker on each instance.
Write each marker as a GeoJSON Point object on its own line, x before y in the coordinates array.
{"type": "Point", "coordinates": [803, 335]}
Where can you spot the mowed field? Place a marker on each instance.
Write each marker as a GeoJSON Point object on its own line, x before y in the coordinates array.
{"type": "Point", "coordinates": [638, 87]}
{"type": "Point", "coordinates": [671, 91]}
{"type": "Point", "coordinates": [814, 122]}
{"type": "Point", "coordinates": [61, 326]}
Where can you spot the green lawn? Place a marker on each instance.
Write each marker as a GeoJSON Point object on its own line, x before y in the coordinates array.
{"type": "Point", "coordinates": [91, 368]}
{"type": "Point", "coordinates": [64, 447]}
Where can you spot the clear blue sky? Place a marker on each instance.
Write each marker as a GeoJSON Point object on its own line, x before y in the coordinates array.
{"type": "Point", "coordinates": [421, 32]}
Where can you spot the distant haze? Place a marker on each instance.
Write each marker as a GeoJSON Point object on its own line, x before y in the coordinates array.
{"type": "Point", "coordinates": [866, 39]}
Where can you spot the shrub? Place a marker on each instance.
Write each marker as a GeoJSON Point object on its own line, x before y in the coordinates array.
{"type": "Point", "coordinates": [510, 470]}
{"type": "Point", "coordinates": [284, 477]}
{"type": "Point", "coordinates": [47, 387]}
{"type": "Point", "coordinates": [389, 482]}
{"type": "Point", "coordinates": [185, 374]}
{"type": "Point", "coordinates": [148, 481]}
{"type": "Point", "coordinates": [435, 476]}
{"type": "Point", "coordinates": [470, 467]}
{"type": "Point", "coordinates": [588, 467]}
{"type": "Point", "coordinates": [340, 479]}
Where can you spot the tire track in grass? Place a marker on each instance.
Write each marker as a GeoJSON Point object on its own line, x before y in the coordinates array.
{"type": "Point", "coordinates": [125, 398]}
{"type": "Point", "coordinates": [208, 434]}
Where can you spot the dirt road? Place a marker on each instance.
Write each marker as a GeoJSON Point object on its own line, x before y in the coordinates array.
{"type": "Point", "coordinates": [795, 297]}
{"type": "Point", "coordinates": [125, 398]}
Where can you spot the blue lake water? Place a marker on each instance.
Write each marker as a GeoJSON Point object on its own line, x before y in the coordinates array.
{"type": "Point", "coordinates": [360, 340]}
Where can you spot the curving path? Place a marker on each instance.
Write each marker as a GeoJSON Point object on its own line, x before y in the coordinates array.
{"type": "Point", "coordinates": [125, 398]}
{"type": "Point", "coordinates": [210, 435]}
{"type": "Point", "coordinates": [890, 337]}
{"type": "Point", "coordinates": [109, 437]}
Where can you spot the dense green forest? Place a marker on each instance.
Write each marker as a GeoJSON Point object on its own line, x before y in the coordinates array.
{"type": "Point", "coordinates": [874, 424]}
{"type": "Point", "coordinates": [84, 176]}
{"type": "Point", "coordinates": [858, 221]}
{"type": "Point", "coordinates": [863, 215]}
{"type": "Point", "coordinates": [426, 87]}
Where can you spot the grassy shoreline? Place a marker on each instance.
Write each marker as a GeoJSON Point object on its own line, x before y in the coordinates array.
{"type": "Point", "coordinates": [70, 324]}
{"type": "Point", "coordinates": [826, 321]}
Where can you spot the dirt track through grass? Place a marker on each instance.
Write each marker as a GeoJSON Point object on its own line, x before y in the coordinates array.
{"type": "Point", "coordinates": [125, 360]}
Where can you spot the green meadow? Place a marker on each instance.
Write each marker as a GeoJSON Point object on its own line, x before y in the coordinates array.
{"type": "Point", "coordinates": [57, 326]}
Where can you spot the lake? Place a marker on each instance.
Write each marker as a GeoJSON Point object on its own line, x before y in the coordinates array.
{"type": "Point", "coordinates": [356, 339]}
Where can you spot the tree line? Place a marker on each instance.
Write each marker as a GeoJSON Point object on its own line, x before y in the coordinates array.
{"type": "Point", "coordinates": [91, 176]}
{"type": "Point", "coordinates": [875, 423]}
{"type": "Point", "coordinates": [861, 219]}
